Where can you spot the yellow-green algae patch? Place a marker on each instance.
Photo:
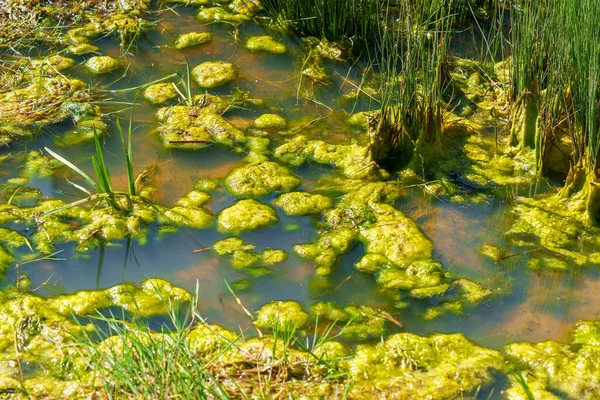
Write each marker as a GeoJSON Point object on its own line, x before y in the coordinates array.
{"type": "Point", "coordinates": [441, 366]}
{"type": "Point", "coordinates": [102, 64]}
{"type": "Point", "coordinates": [260, 179]}
{"type": "Point", "coordinates": [247, 215]}
{"type": "Point", "coordinates": [270, 121]}
{"type": "Point", "coordinates": [36, 92]}
{"type": "Point", "coordinates": [219, 14]}
{"type": "Point", "coordinates": [192, 39]}
{"type": "Point", "coordinates": [554, 370]}
{"type": "Point", "coordinates": [83, 48]}
{"type": "Point", "coordinates": [265, 43]}
{"type": "Point", "coordinates": [198, 126]}
{"type": "Point", "coordinates": [242, 254]}
{"type": "Point", "coordinates": [303, 203]}
{"type": "Point", "coordinates": [281, 314]}
{"type": "Point", "coordinates": [353, 159]}
{"type": "Point", "coordinates": [353, 322]}
{"type": "Point", "coordinates": [555, 224]}
{"type": "Point", "coordinates": [211, 74]}
{"type": "Point", "coordinates": [159, 93]}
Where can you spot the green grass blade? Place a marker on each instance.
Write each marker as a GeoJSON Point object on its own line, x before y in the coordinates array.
{"type": "Point", "coordinates": [74, 168]}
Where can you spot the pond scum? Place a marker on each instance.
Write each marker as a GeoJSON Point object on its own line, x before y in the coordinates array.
{"type": "Point", "coordinates": [522, 110]}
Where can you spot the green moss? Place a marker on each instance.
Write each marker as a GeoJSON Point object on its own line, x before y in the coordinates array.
{"type": "Point", "coordinates": [159, 93]}
{"type": "Point", "coordinates": [265, 43]}
{"type": "Point", "coordinates": [270, 121]}
{"type": "Point", "coordinates": [260, 179]}
{"type": "Point", "coordinates": [247, 215]}
{"type": "Point", "coordinates": [192, 39]}
{"type": "Point", "coordinates": [211, 74]}
{"type": "Point", "coordinates": [218, 14]}
{"type": "Point", "coordinates": [102, 64]}
{"type": "Point", "coordinates": [437, 367]}
{"type": "Point", "coordinates": [302, 203]}
{"type": "Point", "coordinates": [283, 314]}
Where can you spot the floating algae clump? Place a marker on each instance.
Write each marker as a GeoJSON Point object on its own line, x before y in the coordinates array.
{"type": "Point", "coordinates": [102, 64]}
{"type": "Point", "coordinates": [302, 203]}
{"type": "Point", "coordinates": [192, 217]}
{"type": "Point", "coordinates": [327, 248]}
{"type": "Point", "coordinates": [192, 39]}
{"type": "Point", "coordinates": [353, 159]}
{"type": "Point", "coordinates": [160, 93]}
{"type": "Point", "coordinates": [196, 127]}
{"type": "Point", "coordinates": [270, 121]}
{"type": "Point", "coordinates": [211, 74]}
{"type": "Point", "coordinates": [247, 215]}
{"type": "Point", "coordinates": [554, 370]}
{"type": "Point", "coordinates": [83, 48]}
{"type": "Point", "coordinates": [260, 179]}
{"type": "Point", "coordinates": [219, 14]}
{"type": "Point", "coordinates": [281, 314]}
{"type": "Point", "coordinates": [242, 254]}
{"type": "Point", "coordinates": [441, 366]}
{"type": "Point", "coordinates": [265, 43]}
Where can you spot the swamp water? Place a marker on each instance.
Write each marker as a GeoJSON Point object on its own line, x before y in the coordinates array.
{"type": "Point", "coordinates": [523, 303]}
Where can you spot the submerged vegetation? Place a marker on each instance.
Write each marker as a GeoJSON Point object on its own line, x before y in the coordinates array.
{"type": "Point", "coordinates": [308, 183]}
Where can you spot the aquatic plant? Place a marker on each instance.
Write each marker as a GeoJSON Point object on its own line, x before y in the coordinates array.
{"type": "Point", "coordinates": [350, 22]}
{"type": "Point", "coordinates": [412, 60]}
{"type": "Point", "coordinates": [103, 183]}
{"type": "Point", "coordinates": [555, 91]}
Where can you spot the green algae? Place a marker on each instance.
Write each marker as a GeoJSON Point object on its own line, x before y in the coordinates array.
{"type": "Point", "coordinates": [270, 121]}
{"type": "Point", "coordinates": [219, 14]}
{"type": "Point", "coordinates": [197, 127]}
{"type": "Point", "coordinates": [354, 322]}
{"type": "Point", "coordinates": [302, 203]}
{"type": "Point", "coordinates": [194, 199]}
{"type": "Point", "coordinates": [211, 74]}
{"type": "Point", "coordinates": [353, 159]}
{"type": "Point", "coordinates": [192, 39]}
{"type": "Point", "coordinates": [556, 370]}
{"type": "Point", "coordinates": [260, 179]}
{"type": "Point", "coordinates": [281, 315]}
{"type": "Point", "coordinates": [247, 215]}
{"type": "Point", "coordinates": [554, 224]}
{"type": "Point", "coordinates": [43, 96]}
{"type": "Point", "coordinates": [327, 248]}
{"type": "Point", "coordinates": [192, 217]}
{"type": "Point", "coordinates": [265, 44]}
{"type": "Point", "coordinates": [436, 367]}
{"type": "Point", "coordinates": [82, 49]}
{"type": "Point", "coordinates": [159, 93]}
{"type": "Point", "coordinates": [102, 64]}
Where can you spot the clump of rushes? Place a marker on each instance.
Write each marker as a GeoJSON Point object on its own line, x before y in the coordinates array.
{"type": "Point", "coordinates": [555, 90]}
{"type": "Point", "coordinates": [412, 60]}
{"type": "Point", "coordinates": [346, 21]}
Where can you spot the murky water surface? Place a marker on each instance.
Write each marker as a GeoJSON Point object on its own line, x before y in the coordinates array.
{"type": "Point", "coordinates": [526, 305]}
